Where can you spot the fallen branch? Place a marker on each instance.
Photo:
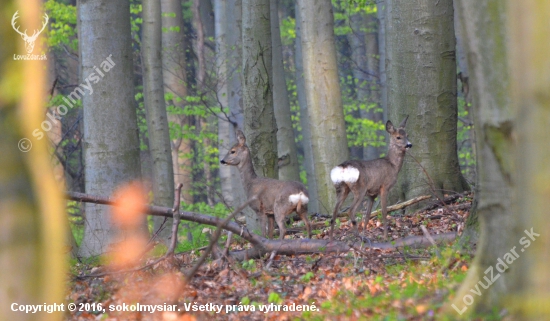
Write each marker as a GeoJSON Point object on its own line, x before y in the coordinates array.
{"type": "Point", "coordinates": [401, 205]}
{"type": "Point", "coordinates": [261, 245]}
{"type": "Point", "coordinates": [215, 239]}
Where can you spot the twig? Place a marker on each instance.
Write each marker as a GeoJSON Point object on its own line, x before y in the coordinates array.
{"type": "Point", "coordinates": [215, 238]}
{"type": "Point", "coordinates": [430, 238]}
{"type": "Point", "coordinates": [270, 260]}
{"type": "Point", "coordinates": [432, 184]}
{"type": "Point", "coordinates": [402, 205]}
{"type": "Point", "coordinates": [175, 222]}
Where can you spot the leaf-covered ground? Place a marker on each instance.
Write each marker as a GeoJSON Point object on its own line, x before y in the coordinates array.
{"type": "Point", "coordinates": [397, 284]}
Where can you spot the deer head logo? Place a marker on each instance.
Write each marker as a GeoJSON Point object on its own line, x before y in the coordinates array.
{"type": "Point", "coordinates": [29, 40]}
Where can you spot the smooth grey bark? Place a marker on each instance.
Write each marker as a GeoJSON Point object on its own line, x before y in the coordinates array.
{"type": "Point", "coordinates": [374, 113]}
{"type": "Point", "coordinates": [231, 186]}
{"type": "Point", "coordinates": [259, 118]}
{"type": "Point", "coordinates": [325, 110]}
{"type": "Point", "coordinates": [111, 145]}
{"type": "Point", "coordinates": [358, 66]}
{"type": "Point", "coordinates": [381, 15]}
{"type": "Point", "coordinates": [304, 120]}
{"type": "Point", "coordinates": [224, 126]}
{"type": "Point", "coordinates": [204, 29]}
{"type": "Point", "coordinates": [421, 78]}
{"type": "Point", "coordinates": [175, 85]}
{"type": "Point", "coordinates": [157, 119]}
{"type": "Point", "coordinates": [235, 99]}
{"type": "Point", "coordinates": [485, 45]}
{"type": "Point", "coordinates": [286, 144]}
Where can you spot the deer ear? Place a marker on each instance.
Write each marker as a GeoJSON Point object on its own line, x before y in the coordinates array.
{"type": "Point", "coordinates": [389, 127]}
{"type": "Point", "coordinates": [404, 122]}
{"type": "Point", "coordinates": [240, 137]}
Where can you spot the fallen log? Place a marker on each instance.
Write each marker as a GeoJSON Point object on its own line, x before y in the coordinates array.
{"type": "Point", "coordinates": [261, 245]}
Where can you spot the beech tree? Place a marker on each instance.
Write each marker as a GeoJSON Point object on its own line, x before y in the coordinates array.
{"type": "Point", "coordinates": [259, 118]}
{"type": "Point", "coordinates": [111, 146]}
{"type": "Point", "coordinates": [286, 145]}
{"type": "Point", "coordinates": [421, 77]}
{"type": "Point", "coordinates": [174, 72]}
{"type": "Point", "coordinates": [511, 116]}
{"type": "Point", "coordinates": [157, 122]}
{"type": "Point", "coordinates": [325, 110]}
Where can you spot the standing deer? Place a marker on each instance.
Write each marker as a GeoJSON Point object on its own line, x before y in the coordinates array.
{"type": "Point", "coordinates": [370, 178]}
{"type": "Point", "coordinates": [275, 199]}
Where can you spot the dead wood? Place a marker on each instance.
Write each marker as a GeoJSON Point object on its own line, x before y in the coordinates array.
{"type": "Point", "coordinates": [262, 246]}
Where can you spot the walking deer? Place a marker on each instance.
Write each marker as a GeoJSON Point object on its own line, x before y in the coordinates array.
{"type": "Point", "coordinates": [275, 199]}
{"type": "Point", "coordinates": [370, 178]}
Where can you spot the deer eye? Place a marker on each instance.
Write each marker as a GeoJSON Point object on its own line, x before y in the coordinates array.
{"type": "Point", "coordinates": [232, 152]}
{"type": "Point", "coordinates": [398, 137]}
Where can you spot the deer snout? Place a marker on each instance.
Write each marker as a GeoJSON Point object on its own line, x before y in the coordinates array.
{"type": "Point", "coordinates": [223, 162]}
{"type": "Point", "coordinates": [409, 145]}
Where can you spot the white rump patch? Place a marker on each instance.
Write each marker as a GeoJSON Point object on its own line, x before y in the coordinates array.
{"type": "Point", "coordinates": [340, 174]}
{"type": "Point", "coordinates": [295, 198]}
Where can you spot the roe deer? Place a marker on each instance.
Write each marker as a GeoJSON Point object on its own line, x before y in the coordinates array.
{"type": "Point", "coordinates": [370, 178]}
{"type": "Point", "coordinates": [275, 199]}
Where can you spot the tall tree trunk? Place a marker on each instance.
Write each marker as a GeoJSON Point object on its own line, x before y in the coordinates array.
{"type": "Point", "coordinates": [313, 206]}
{"type": "Point", "coordinates": [375, 112]}
{"type": "Point", "coordinates": [235, 98]}
{"type": "Point", "coordinates": [33, 222]}
{"type": "Point", "coordinates": [259, 118]}
{"type": "Point", "coordinates": [381, 15]}
{"type": "Point", "coordinates": [325, 111]}
{"type": "Point", "coordinates": [358, 66]}
{"type": "Point", "coordinates": [421, 71]}
{"type": "Point", "coordinates": [224, 126]}
{"type": "Point", "coordinates": [157, 122]}
{"type": "Point", "coordinates": [111, 145]}
{"type": "Point", "coordinates": [528, 30]}
{"type": "Point", "coordinates": [485, 45]}
{"type": "Point", "coordinates": [286, 143]}
{"type": "Point", "coordinates": [175, 85]}
{"type": "Point", "coordinates": [204, 125]}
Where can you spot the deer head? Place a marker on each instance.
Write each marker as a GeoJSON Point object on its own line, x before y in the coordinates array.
{"type": "Point", "coordinates": [239, 153]}
{"type": "Point", "coordinates": [398, 136]}
{"type": "Point", "coordinates": [29, 40]}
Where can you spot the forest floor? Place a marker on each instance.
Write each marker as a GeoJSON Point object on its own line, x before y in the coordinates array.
{"type": "Point", "coordinates": [394, 284]}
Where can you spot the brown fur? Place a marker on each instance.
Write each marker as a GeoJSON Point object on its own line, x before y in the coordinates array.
{"type": "Point", "coordinates": [272, 195]}
{"type": "Point", "coordinates": [376, 177]}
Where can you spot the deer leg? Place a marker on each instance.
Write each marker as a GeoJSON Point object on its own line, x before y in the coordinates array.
{"type": "Point", "coordinates": [281, 210]}
{"type": "Point", "coordinates": [383, 203]}
{"type": "Point", "coordinates": [370, 202]}
{"type": "Point", "coordinates": [303, 215]}
{"type": "Point", "coordinates": [358, 196]}
{"type": "Point", "coordinates": [342, 192]}
{"type": "Point", "coordinates": [270, 225]}
{"type": "Point", "coordinates": [263, 223]}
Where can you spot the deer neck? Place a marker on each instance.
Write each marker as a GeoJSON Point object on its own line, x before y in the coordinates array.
{"type": "Point", "coordinates": [395, 157]}
{"type": "Point", "coordinates": [246, 169]}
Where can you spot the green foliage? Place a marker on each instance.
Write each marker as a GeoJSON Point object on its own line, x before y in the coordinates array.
{"type": "Point", "coordinates": [62, 25]}
{"type": "Point", "coordinates": [288, 31]}
{"type": "Point", "coordinates": [464, 137]}
{"type": "Point", "coordinates": [274, 297]}
{"type": "Point", "coordinates": [191, 234]}
{"type": "Point", "coordinates": [249, 265]}
{"type": "Point", "coordinates": [307, 277]}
